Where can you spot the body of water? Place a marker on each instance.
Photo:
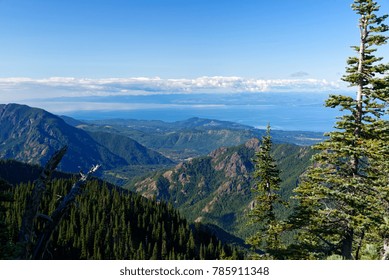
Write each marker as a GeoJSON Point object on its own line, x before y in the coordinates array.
{"type": "Point", "coordinates": [284, 111]}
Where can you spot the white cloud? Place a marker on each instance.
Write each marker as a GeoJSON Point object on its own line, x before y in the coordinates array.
{"type": "Point", "coordinates": [66, 107]}
{"type": "Point", "coordinates": [18, 89]}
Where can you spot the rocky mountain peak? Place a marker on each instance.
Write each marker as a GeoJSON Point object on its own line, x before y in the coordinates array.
{"type": "Point", "coordinates": [253, 144]}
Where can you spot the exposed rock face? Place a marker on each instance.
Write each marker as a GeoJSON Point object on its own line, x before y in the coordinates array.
{"type": "Point", "coordinates": [148, 188]}
{"type": "Point", "coordinates": [235, 166]}
{"type": "Point", "coordinates": [217, 188]}
{"type": "Point", "coordinates": [209, 205]}
{"type": "Point", "coordinates": [202, 186]}
{"type": "Point", "coordinates": [253, 144]}
{"type": "Point", "coordinates": [183, 179]}
{"type": "Point", "coordinates": [217, 153]}
{"type": "Point", "coordinates": [231, 164]}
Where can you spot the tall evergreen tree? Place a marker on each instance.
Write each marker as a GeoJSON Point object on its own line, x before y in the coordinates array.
{"type": "Point", "coordinates": [6, 246]}
{"type": "Point", "coordinates": [344, 195]}
{"type": "Point", "coordinates": [267, 177]}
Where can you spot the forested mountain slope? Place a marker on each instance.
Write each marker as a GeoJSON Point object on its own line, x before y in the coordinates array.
{"type": "Point", "coordinates": [217, 188]}
{"type": "Point", "coordinates": [110, 223]}
{"type": "Point", "coordinates": [32, 135]}
{"type": "Point", "coordinates": [16, 172]}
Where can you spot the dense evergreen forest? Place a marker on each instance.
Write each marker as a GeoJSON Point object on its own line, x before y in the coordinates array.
{"type": "Point", "coordinates": [109, 223]}
{"type": "Point", "coordinates": [338, 208]}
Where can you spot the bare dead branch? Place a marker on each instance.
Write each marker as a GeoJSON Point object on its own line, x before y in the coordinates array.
{"type": "Point", "coordinates": [62, 209]}
{"type": "Point", "coordinates": [33, 202]}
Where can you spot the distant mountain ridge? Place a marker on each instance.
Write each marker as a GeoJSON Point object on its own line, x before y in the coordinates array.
{"type": "Point", "coordinates": [32, 135]}
{"type": "Point", "coordinates": [294, 137]}
{"type": "Point", "coordinates": [193, 137]}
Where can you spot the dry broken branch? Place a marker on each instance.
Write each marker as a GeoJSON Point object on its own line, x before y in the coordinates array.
{"type": "Point", "coordinates": [33, 202]}
{"type": "Point", "coordinates": [62, 209]}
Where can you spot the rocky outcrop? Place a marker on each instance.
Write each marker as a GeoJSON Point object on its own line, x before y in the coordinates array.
{"type": "Point", "coordinates": [217, 188]}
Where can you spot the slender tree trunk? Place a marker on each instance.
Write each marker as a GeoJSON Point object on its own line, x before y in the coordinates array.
{"type": "Point", "coordinates": [385, 250]}
{"type": "Point", "coordinates": [361, 62]}
{"type": "Point", "coordinates": [357, 253]}
{"type": "Point", "coordinates": [349, 236]}
{"type": "Point", "coordinates": [347, 245]}
{"type": "Point", "coordinates": [359, 106]}
{"type": "Point", "coordinates": [359, 97]}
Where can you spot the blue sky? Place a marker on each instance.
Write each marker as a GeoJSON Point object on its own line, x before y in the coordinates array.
{"type": "Point", "coordinates": [275, 39]}
{"type": "Point", "coordinates": [53, 49]}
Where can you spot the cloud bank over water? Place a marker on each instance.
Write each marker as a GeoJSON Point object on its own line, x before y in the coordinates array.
{"type": "Point", "coordinates": [16, 89]}
{"type": "Point", "coordinates": [289, 104]}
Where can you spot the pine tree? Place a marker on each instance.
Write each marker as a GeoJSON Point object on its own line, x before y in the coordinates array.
{"type": "Point", "coordinates": [344, 195]}
{"type": "Point", "coordinates": [267, 177]}
{"type": "Point", "coordinates": [6, 246]}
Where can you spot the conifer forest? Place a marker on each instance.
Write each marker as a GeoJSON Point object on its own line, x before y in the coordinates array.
{"type": "Point", "coordinates": [202, 189]}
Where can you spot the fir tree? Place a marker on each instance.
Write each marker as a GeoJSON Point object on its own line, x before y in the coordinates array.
{"type": "Point", "coordinates": [344, 195]}
{"type": "Point", "coordinates": [6, 246]}
{"type": "Point", "coordinates": [104, 226]}
{"type": "Point", "coordinates": [267, 177]}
